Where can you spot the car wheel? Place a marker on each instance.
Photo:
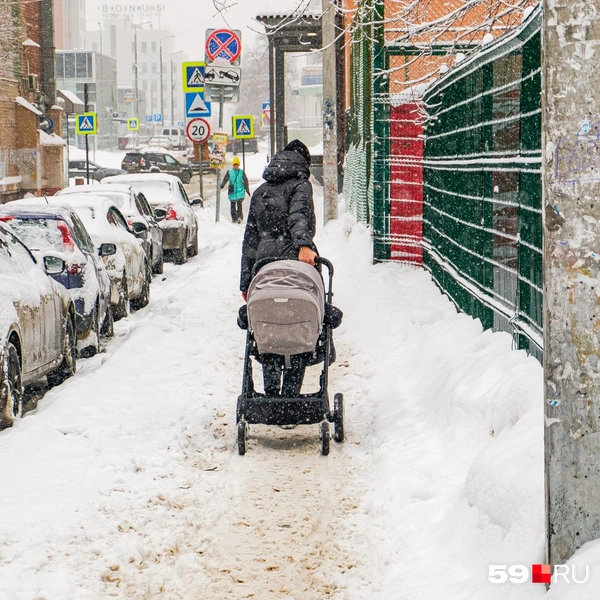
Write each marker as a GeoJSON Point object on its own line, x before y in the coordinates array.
{"type": "Point", "coordinates": [159, 266]}
{"type": "Point", "coordinates": [94, 347]}
{"type": "Point", "coordinates": [11, 388]}
{"type": "Point", "coordinates": [180, 255]}
{"type": "Point", "coordinates": [68, 366]}
{"type": "Point", "coordinates": [185, 177]}
{"type": "Point", "coordinates": [193, 249]}
{"type": "Point", "coordinates": [144, 297]}
{"type": "Point", "coordinates": [108, 326]}
{"type": "Point", "coordinates": [121, 310]}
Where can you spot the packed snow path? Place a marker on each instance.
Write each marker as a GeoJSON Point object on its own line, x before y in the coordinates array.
{"type": "Point", "coordinates": [125, 482]}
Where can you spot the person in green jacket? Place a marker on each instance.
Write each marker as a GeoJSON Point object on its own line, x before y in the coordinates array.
{"type": "Point", "coordinates": [238, 187]}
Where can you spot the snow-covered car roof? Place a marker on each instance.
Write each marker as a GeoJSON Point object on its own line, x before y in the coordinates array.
{"type": "Point", "coordinates": [132, 178]}
{"type": "Point", "coordinates": [91, 209]}
{"type": "Point", "coordinates": [97, 188]}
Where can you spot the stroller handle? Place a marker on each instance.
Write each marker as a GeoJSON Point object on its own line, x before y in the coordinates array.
{"type": "Point", "coordinates": [319, 260]}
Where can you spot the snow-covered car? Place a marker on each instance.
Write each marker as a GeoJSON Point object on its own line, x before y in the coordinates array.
{"type": "Point", "coordinates": [172, 208]}
{"type": "Point", "coordinates": [161, 141]}
{"type": "Point", "coordinates": [79, 168]}
{"type": "Point", "coordinates": [128, 268]}
{"type": "Point", "coordinates": [59, 230]}
{"type": "Point", "coordinates": [37, 324]}
{"type": "Point", "coordinates": [138, 212]}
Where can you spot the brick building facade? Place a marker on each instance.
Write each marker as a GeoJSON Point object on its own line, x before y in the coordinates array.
{"type": "Point", "coordinates": [31, 161]}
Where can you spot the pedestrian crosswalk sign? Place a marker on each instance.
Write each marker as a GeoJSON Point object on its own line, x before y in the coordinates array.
{"type": "Point", "coordinates": [133, 124]}
{"type": "Point", "coordinates": [87, 124]}
{"type": "Point", "coordinates": [193, 76]}
{"type": "Point", "coordinates": [243, 127]}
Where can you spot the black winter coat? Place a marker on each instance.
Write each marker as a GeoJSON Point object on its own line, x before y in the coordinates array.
{"type": "Point", "coordinates": [281, 217]}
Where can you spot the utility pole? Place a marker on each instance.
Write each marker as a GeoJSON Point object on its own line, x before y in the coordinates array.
{"type": "Point", "coordinates": [330, 144]}
{"type": "Point", "coordinates": [571, 217]}
{"type": "Point", "coordinates": [87, 137]}
{"type": "Point", "coordinates": [136, 81]}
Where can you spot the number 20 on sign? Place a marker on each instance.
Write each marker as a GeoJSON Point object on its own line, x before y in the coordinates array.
{"type": "Point", "coordinates": [198, 130]}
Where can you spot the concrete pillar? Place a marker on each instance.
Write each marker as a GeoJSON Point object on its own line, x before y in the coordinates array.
{"type": "Point", "coordinates": [330, 107]}
{"type": "Point", "coordinates": [571, 201]}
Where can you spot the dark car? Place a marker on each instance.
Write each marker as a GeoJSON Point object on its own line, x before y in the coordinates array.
{"type": "Point", "coordinates": [156, 162]}
{"type": "Point", "coordinates": [235, 146]}
{"type": "Point", "coordinates": [53, 229]}
{"type": "Point", "coordinates": [77, 168]}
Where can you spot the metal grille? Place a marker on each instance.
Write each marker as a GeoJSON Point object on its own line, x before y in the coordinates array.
{"type": "Point", "coordinates": [482, 230]}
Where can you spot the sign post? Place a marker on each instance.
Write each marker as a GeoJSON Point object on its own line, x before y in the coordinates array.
{"type": "Point", "coordinates": [86, 124]}
{"type": "Point", "coordinates": [217, 161]}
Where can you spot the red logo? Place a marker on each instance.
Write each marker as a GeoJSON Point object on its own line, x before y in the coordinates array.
{"type": "Point", "coordinates": [541, 573]}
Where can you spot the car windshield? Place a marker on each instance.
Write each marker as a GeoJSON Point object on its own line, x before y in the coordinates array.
{"type": "Point", "coordinates": [156, 192]}
{"type": "Point", "coordinates": [42, 234]}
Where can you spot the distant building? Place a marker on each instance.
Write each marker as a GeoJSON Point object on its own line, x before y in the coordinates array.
{"type": "Point", "coordinates": [69, 24]}
{"type": "Point", "coordinates": [74, 68]}
{"type": "Point", "coordinates": [139, 45]}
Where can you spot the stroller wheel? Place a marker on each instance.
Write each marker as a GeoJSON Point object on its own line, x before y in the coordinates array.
{"type": "Point", "coordinates": [242, 434]}
{"type": "Point", "coordinates": [338, 418]}
{"type": "Point", "coordinates": [324, 435]}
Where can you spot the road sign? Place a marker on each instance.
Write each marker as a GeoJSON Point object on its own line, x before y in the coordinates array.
{"type": "Point", "coordinates": [195, 105]}
{"type": "Point", "coordinates": [265, 118]}
{"type": "Point", "coordinates": [133, 124]}
{"type": "Point", "coordinates": [180, 123]}
{"type": "Point", "coordinates": [87, 124]}
{"type": "Point", "coordinates": [223, 43]}
{"type": "Point", "coordinates": [242, 127]}
{"type": "Point", "coordinates": [193, 76]}
{"type": "Point", "coordinates": [148, 118]}
{"type": "Point", "coordinates": [197, 130]}
{"type": "Point", "coordinates": [221, 75]}
{"type": "Point", "coordinates": [158, 117]}
{"type": "Point", "coordinates": [214, 93]}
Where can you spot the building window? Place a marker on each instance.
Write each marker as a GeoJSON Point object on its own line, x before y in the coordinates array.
{"type": "Point", "coordinates": [144, 47]}
{"type": "Point", "coordinates": [154, 49]}
{"type": "Point", "coordinates": [69, 65]}
{"type": "Point", "coordinates": [60, 65]}
{"type": "Point", "coordinates": [145, 85]}
{"type": "Point", "coordinates": [144, 68]}
{"type": "Point", "coordinates": [154, 68]}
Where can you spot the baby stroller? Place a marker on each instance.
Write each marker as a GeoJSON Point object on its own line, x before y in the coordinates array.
{"type": "Point", "coordinates": [289, 318]}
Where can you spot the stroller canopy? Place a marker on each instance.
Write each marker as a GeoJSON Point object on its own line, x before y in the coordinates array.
{"type": "Point", "coordinates": [286, 305]}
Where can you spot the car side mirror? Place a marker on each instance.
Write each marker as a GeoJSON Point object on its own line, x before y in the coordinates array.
{"type": "Point", "coordinates": [107, 249]}
{"type": "Point", "coordinates": [160, 214]}
{"type": "Point", "coordinates": [53, 265]}
{"type": "Point", "coordinates": [138, 229]}
{"type": "Point", "coordinates": [197, 201]}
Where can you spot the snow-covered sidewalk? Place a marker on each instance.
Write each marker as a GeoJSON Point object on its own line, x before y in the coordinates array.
{"type": "Point", "coordinates": [125, 482]}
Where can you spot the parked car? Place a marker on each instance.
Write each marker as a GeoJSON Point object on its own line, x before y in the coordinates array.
{"type": "Point", "coordinates": [162, 141]}
{"type": "Point", "coordinates": [77, 168]}
{"type": "Point", "coordinates": [59, 230]}
{"type": "Point", "coordinates": [37, 328]}
{"type": "Point", "coordinates": [138, 213]}
{"type": "Point", "coordinates": [172, 207]}
{"type": "Point", "coordinates": [128, 268]}
{"type": "Point", "coordinates": [156, 161]}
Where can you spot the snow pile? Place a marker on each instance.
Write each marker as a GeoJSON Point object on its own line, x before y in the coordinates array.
{"type": "Point", "coordinates": [128, 482]}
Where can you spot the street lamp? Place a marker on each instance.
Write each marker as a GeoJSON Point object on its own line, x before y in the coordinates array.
{"type": "Point", "coordinates": [135, 65]}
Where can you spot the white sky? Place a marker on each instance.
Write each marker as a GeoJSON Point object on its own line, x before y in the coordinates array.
{"type": "Point", "coordinates": [189, 19]}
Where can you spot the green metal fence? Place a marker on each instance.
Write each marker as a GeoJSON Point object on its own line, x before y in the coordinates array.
{"type": "Point", "coordinates": [482, 229]}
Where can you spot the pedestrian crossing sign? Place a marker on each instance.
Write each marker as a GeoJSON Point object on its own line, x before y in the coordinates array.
{"type": "Point", "coordinates": [243, 127]}
{"type": "Point", "coordinates": [87, 124]}
{"type": "Point", "coordinates": [193, 76]}
{"type": "Point", "coordinates": [133, 124]}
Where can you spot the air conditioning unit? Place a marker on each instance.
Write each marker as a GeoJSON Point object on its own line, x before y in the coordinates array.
{"type": "Point", "coordinates": [33, 83]}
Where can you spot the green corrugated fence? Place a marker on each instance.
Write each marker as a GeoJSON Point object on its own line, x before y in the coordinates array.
{"type": "Point", "coordinates": [482, 229]}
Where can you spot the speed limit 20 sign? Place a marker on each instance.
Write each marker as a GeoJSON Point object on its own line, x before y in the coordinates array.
{"type": "Point", "coordinates": [198, 130]}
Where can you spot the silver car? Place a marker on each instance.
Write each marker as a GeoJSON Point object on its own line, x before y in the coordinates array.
{"type": "Point", "coordinates": [37, 324]}
{"type": "Point", "coordinates": [172, 208]}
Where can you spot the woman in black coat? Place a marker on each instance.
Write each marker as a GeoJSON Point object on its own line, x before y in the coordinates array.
{"type": "Point", "coordinates": [281, 224]}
